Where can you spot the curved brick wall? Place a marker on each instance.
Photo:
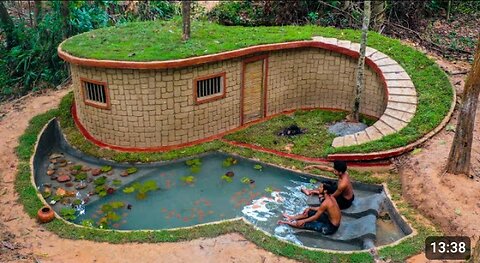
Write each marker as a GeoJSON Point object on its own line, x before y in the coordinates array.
{"type": "Point", "coordinates": [152, 105]}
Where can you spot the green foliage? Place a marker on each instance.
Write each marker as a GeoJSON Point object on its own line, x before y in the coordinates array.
{"type": "Point", "coordinates": [100, 181]}
{"type": "Point", "coordinates": [46, 194]}
{"type": "Point", "coordinates": [77, 167]}
{"type": "Point", "coordinates": [101, 190]}
{"type": "Point", "coordinates": [141, 188]}
{"type": "Point", "coordinates": [268, 189]}
{"type": "Point", "coordinates": [194, 165]}
{"type": "Point", "coordinates": [32, 63]}
{"type": "Point", "coordinates": [77, 202]}
{"type": "Point", "coordinates": [68, 213]}
{"type": "Point", "coordinates": [129, 190]}
{"type": "Point", "coordinates": [313, 181]}
{"type": "Point", "coordinates": [229, 162]}
{"type": "Point", "coordinates": [132, 170]}
{"type": "Point", "coordinates": [227, 178]}
{"type": "Point", "coordinates": [258, 167]}
{"type": "Point", "coordinates": [117, 182]}
{"type": "Point", "coordinates": [80, 176]}
{"type": "Point", "coordinates": [87, 223]}
{"type": "Point", "coordinates": [106, 168]}
{"type": "Point", "coordinates": [189, 179]}
{"type": "Point", "coordinates": [245, 180]}
{"type": "Point", "coordinates": [57, 198]}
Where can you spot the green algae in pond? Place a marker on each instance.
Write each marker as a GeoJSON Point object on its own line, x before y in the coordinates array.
{"type": "Point", "coordinates": [76, 167]}
{"type": "Point", "coordinates": [100, 181]}
{"type": "Point", "coordinates": [141, 188]}
{"type": "Point", "coordinates": [258, 167]}
{"type": "Point", "coordinates": [226, 178]}
{"type": "Point", "coordinates": [131, 170]}
{"type": "Point", "coordinates": [129, 190]}
{"type": "Point", "coordinates": [229, 162]}
{"type": "Point", "coordinates": [117, 182]}
{"type": "Point", "coordinates": [87, 223]}
{"type": "Point", "coordinates": [106, 169]}
{"type": "Point", "coordinates": [68, 213]}
{"type": "Point", "coordinates": [188, 179]}
{"type": "Point", "coordinates": [194, 165]}
{"type": "Point", "coordinates": [81, 176]}
{"type": "Point", "coordinates": [313, 181]}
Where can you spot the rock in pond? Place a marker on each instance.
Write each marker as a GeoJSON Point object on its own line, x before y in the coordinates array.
{"type": "Point", "coordinates": [124, 174]}
{"type": "Point", "coordinates": [80, 186]}
{"type": "Point", "coordinates": [50, 172]}
{"type": "Point", "coordinates": [96, 172]}
{"type": "Point", "coordinates": [63, 178]}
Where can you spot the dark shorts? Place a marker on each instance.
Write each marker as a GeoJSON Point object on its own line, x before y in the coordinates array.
{"type": "Point", "coordinates": [344, 203]}
{"type": "Point", "coordinates": [322, 225]}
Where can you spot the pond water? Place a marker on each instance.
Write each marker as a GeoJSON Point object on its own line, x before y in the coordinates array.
{"type": "Point", "coordinates": [177, 194]}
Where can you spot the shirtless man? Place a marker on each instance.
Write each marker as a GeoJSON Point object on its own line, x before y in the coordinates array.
{"type": "Point", "coordinates": [344, 193]}
{"type": "Point", "coordinates": [324, 219]}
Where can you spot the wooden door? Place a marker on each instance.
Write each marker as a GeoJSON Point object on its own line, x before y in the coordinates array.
{"type": "Point", "coordinates": [254, 87]}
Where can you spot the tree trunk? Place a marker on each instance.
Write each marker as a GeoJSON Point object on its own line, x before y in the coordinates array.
{"type": "Point", "coordinates": [360, 76]}
{"type": "Point", "coordinates": [378, 15]}
{"type": "Point", "coordinates": [65, 12]}
{"type": "Point", "coordinates": [6, 24]}
{"type": "Point", "coordinates": [186, 20]}
{"type": "Point", "coordinates": [459, 157]}
{"type": "Point", "coordinates": [37, 12]}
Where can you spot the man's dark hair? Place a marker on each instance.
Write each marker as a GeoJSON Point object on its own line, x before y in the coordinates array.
{"type": "Point", "coordinates": [329, 187]}
{"type": "Point", "coordinates": [340, 166]}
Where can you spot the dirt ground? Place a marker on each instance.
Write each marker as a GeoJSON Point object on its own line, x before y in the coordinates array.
{"type": "Point", "coordinates": [452, 202]}
{"type": "Point", "coordinates": [22, 239]}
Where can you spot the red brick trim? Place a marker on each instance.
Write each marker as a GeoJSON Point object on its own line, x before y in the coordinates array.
{"type": "Point", "coordinates": [212, 98]}
{"type": "Point", "coordinates": [265, 84]}
{"type": "Point", "coordinates": [106, 105]}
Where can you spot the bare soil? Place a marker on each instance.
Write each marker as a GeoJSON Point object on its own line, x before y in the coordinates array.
{"type": "Point", "coordinates": [22, 239]}
{"type": "Point", "coordinates": [452, 202]}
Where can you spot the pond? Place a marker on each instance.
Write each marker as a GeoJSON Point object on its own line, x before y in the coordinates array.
{"type": "Point", "coordinates": [205, 189]}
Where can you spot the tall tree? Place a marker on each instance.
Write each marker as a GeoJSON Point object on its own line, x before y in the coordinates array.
{"type": "Point", "coordinates": [360, 75]}
{"type": "Point", "coordinates": [378, 15]}
{"type": "Point", "coordinates": [37, 12]}
{"type": "Point", "coordinates": [459, 157]}
{"type": "Point", "coordinates": [6, 24]}
{"type": "Point", "coordinates": [65, 12]}
{"type": "Point", "coordinates": [186, 19]}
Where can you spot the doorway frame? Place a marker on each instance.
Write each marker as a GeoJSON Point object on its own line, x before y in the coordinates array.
{"type": "Point", "coordinates": [264, 87]}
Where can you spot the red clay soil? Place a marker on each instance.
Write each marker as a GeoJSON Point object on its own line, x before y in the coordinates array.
{"type": "Point", "coordinates": [452, 202]}
{"type": "Point", "coordinates": [22, 239]}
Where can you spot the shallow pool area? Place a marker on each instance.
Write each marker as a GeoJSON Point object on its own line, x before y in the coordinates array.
{"type": "Point", "coordinates": [203, 189]}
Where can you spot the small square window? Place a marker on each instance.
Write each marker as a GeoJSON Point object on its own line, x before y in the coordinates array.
{"type": "Point", "coordinates": [95, 93]}
{"type": "Point", "coordinates": [209, 88]}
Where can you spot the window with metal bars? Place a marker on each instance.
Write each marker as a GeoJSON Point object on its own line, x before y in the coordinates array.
{"type": "Point", "coordinates": [95, 93]}
{"type": "Point", "coordinates": [210, 88]}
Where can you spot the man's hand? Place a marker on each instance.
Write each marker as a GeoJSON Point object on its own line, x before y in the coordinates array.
{"type": "Point", "coordinates": [300, 223]}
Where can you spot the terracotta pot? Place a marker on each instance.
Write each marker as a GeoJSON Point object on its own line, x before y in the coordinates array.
{"type": "Point", "coordinates": [45, 214]}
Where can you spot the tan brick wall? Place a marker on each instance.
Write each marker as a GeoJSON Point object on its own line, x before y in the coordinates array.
{"type": "Point", "coordinates": [152, 108]}
{"type": "Point", "coordinates": [319, 78]}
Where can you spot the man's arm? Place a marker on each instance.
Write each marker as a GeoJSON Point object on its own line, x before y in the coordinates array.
{"type": "Point", "coordinates": [341, 187]}
{"type": "Point", "coordinates": [316, 216]}
{"type": "Point", "coordinates": [320, 167]}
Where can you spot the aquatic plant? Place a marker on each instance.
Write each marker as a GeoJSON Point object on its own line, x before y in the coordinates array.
{"type": "Point", "coordinates": [57, 198]}
{"type": "Point", "coordinates": [129, 190]}
{"type": "Point", "coordinates": [245, 180]}
{"type": "Point", "coordinates": [229, 162]}
{"type": "Point", "coordinates": [269, 189]}
{"type": "Point", "coordinates": [194, 165]}
{"type": "Point", "coordinates": [117, 182]}
{"type": "Point", "coordinates": [189, 179]}
{"type": "Point", "coordinates": [77, 167]}
{"type": "Point", "coordinates": [81, 176]}
{"type": "Point", "coordinates": [109, 213]}
{"type": "Point", "coordinates": [77, 202]}
{"type": "Point", "coordinates": [106, 168]}
{"type": "Point", "coordinates": [142, 189]}
{"type": "Point", "coordinates": [227, 178]}
{"type": "Point", "coordinates": [68, 213]}
{"type": "Point", "coordinates": [258, 167]}
{"type": "Point", "coordinates": [313, 181]}
{"type": "Point", "coordinates": [101, 190]}
{"type": "Point", "coordinates": [46, 194]}
{"type": "Point", "coordinates": [132, 170]}
{"type": "Point", "coordinates": [100, 181]}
